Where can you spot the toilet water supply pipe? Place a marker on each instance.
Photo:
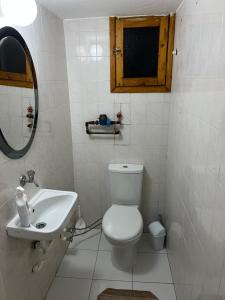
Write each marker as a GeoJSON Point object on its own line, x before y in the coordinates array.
{"type": "Point", "coordinates": [87, 229]}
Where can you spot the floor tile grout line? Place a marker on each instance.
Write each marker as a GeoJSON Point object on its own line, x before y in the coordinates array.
{"type": "Point", "coordinates": [157, 282]}
{"type": "Point", "coordinates": [94, 279]}
{"type": "Point", "coordinates": [138, 252]}
{"type": "Point", "coordinates": [104, 279]}
{"type": "Point", "coordinates": [77, 249]}
{"type": "Point", "coordinates": [100, 239]}
{"type": "Point", "coordinates": [171, 274]}
{"type": "Point", "coordinates": [151, 252]}
{"type": "Point", "coordinates": [73, 277]}
{"type": "Point", "coordinates": [132, 276]}
{"type": "Point", "coordinates": [106, 250]}
{"type": "Point", "coordinates": [89, 295]}
{"type": "Point", "coordinates": [116, 280]}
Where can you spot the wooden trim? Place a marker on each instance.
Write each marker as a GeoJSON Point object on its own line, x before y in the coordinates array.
{"type": "Point", "coordinates": [119, 56]}
{"type": "Point", "coordinates": [163, 43]}
{"type": "Point", "coordinates": [141, 22]}
{"type": "Point", "coordinates": [22, 84]}
{"type": "Point", "coordinates": [161, 22]}
{"type": "Point", "coordinates": [141, 89]}
{"type": "Point", "coordinates": [12, 76]}
{"type": "Point", "coordinates": [112, 36]}
{"type": "Point", "coordinates": [171, 38]}
{"type": "Point", "coordinates": [140, 81]}
{"type": "Point", "coordinates": [117, 86]}
{"type": "Point", "coordinates": [17, 79]}
{"type": "Point", "coordinates": [29, 76]}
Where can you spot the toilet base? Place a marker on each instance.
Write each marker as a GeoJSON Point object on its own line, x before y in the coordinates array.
{"type": "Point", "coordinates": [123, 257]}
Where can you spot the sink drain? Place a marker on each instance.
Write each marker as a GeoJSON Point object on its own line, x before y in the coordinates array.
{"type": "Point", "coordinates": [41, 225]}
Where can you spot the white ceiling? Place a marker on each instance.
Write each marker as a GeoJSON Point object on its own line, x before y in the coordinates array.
{"type": "Point", "coordinates": [69, 9]}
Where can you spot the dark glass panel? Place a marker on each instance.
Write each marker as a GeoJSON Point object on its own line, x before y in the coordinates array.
{"type": "Point", "coordinates": [141, 47]}
{"type": "Point", "coordinates": [12, 56]}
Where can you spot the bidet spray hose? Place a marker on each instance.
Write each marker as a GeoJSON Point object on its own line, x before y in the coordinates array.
{"type": "Point", "coordinates": [74, 235]}
{"type": "Point", "coordinates": [87, 227]}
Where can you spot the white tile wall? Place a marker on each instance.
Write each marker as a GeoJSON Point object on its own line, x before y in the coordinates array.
{"type": "Point", "coordinates": [195, 172]}
{"type": "Point", "coordinates": [50, 155]}
{"type": "Point", "coordinates": [144, 133]}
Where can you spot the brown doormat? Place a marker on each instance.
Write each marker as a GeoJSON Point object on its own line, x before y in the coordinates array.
{"type": "Point", "coordinates": [113, 294]}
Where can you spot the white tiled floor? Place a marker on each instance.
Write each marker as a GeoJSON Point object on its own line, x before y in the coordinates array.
{"type": "Point", "coordinates": [87, 270]}
{"type": "Point", "coordinates": [105, 270]}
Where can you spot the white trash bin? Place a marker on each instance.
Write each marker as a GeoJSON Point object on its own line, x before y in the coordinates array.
{"type": "Point", "coordinates": [157, 235]}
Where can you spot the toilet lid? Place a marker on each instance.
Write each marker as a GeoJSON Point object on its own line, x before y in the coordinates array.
{"type": "Point", "coordinates": [122, 222]}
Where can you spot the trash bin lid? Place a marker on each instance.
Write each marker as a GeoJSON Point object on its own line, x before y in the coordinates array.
{"type": "Point", "coordinates": [156, 229]}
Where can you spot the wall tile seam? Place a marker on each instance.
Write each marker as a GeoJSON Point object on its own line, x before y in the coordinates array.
{"type": "Point", "coordinates": [191, 225]}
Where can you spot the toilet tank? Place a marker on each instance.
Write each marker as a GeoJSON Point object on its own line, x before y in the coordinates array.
{"type": "Point", "coordinates": [125, 183]}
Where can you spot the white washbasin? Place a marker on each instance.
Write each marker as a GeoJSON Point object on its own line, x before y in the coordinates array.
{"type": "Point", "coordinates": [52, 209]}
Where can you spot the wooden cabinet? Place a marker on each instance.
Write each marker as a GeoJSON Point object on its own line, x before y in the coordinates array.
{"type": "Point", "coordinates": [15, 64]}
{"type": "Point", "coordinates": [141, 54]}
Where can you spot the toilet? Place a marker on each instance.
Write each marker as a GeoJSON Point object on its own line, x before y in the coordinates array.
{"type": "Point", "coordinates": [122, 223]}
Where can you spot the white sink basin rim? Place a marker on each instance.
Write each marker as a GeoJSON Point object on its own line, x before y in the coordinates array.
{"type": "Point", "coordinates": [51, 212]}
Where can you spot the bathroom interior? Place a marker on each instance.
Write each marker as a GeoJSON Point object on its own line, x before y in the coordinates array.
{"type": "Point", "coordinates": [112, 139]}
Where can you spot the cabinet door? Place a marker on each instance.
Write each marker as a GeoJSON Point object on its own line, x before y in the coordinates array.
{"type": "Point", "coordinates": [15, 67]}
{"type": "Point", "coordinates": [141, 51]}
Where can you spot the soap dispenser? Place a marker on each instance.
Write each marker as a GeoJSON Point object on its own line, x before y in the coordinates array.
{"type": "Point", "coordinates": [22, 207]}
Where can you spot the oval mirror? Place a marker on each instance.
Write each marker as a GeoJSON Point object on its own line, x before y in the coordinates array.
{"type": "Point", "coordinates": [18, 94]}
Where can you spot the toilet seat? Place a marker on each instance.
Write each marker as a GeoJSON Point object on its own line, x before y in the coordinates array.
{"type": "Point", "coordinates": [122, 223]}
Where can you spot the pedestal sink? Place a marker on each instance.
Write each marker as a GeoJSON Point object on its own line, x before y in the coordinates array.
{"type": "Point", "coordinates": [51, 212]}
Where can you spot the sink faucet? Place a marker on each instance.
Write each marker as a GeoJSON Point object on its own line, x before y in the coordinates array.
{"type": "Point", "coordinates": [28, 179]}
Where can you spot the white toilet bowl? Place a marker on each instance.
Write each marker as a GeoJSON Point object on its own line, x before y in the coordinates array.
{"type": "Point", "coordinates": [123, 226]}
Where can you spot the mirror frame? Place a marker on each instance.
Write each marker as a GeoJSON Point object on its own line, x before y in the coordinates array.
{"type": "Point", "coordinates": [4, 146]}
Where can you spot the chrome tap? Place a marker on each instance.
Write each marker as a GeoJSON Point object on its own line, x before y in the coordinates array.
{"type": "Point", "coordinates": [28, 179]}
{"type": "Point", "coordinates": [31, 179]}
